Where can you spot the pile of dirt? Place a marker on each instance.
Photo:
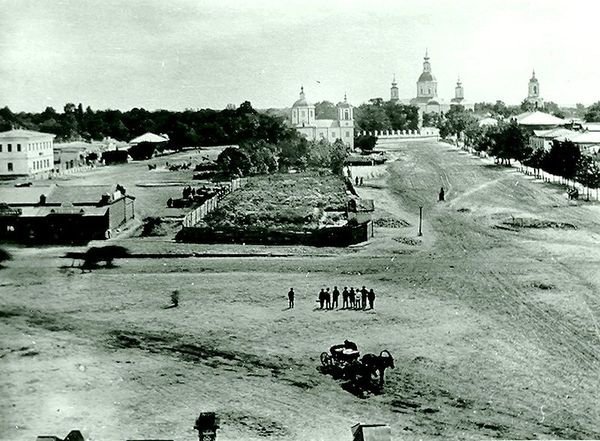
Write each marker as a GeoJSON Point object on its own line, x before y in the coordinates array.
{"type": "Point", "coordinates": [407, 240]}
{"type": "Point", "coordinates": [524, 222]}
{"type": "Point", "coordinates": [387, 222]}
{"type": "Point", "coordinates": [158, 226]}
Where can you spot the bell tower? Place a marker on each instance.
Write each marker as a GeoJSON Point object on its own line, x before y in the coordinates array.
{"type": "Point", "coordinates": [533, 95]}
{"type": "Point", "coordinates": [394, 97]}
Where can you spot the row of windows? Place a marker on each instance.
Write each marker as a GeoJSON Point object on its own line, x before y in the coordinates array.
{"type": "Point", "coordinates": [30, 147]}
{"type": "Point", "coordinates": [42, 163]}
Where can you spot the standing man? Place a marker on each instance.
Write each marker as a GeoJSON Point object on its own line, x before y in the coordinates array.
{"type": "Point", "coordinates": [345, 296]}
{"type": "Point", "coordinates": [322, 298]}
{"type": "Point", "coordinates": [442, 195]}
{"type": "Point", "coordinates": [363, 296]}
{"type": "Point", "coordinates": [327, 299]}
{"type": "Point", "coordinates": [336, 296]}
{"type": "Point", "coordinates": [352, 297]}
{"type": "Point", "coordinates": [371, 297]}
{"type": "Point", "coordinates": [291, 296]}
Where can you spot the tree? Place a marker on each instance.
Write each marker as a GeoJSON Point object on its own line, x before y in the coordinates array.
{"type": "Point", "coordinates": [554, 109]}
{"type": "Point", "coordinates": [456, 120]}
{"type": "Point", "coordinates": [508, 141]}
{"type": "Point", "coordinates": [339, 154]}
{"type": "Point", "coordinates": [402, 117]}
{"type": "Point", "coordinates": [588, 172]}
{"type": "Point", "coordinates": [366, 143]}
{"type": "Point", "coordinates": [233, 162]}
{"type": "Point", "coordinates": [372, 116]}
{"type": "Point", "coordinates": [563, 159]}
{"type": "Point", "coordinates": [536, 160]}
{"type": "Point", "coordinates": [325, 110]}
{"type": "Point", "coordinates": [593, 113]}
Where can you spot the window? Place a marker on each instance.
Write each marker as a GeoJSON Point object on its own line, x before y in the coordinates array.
{"type": "Point", "coordinates": [18, 147]}
{"type": "Point", "coordinates": [9, 148]}
{"type": "Point", "coordinates": [347, 134]}
{"type": "Point", "coordinates": [322, 135]}
{"type": "Point", "coordinates": [303, 113]}
{"type": "Point", "coordinates": [10, 166]}
{"type": "Point", "coordinates": [332, 134]}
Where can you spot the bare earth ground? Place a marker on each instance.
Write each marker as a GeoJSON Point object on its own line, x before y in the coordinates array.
{"type": "Point", "coordinates": [494, 328]}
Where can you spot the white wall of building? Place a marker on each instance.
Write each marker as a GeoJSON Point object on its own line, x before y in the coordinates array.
{"type": "Point", "coordinates": [26, 154]}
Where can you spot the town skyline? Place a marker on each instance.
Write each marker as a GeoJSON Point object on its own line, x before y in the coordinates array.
{"type": "Point", "coordinates": [208, 54]}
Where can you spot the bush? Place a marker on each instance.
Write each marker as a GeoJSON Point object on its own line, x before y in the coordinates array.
{"type": "Point", "coordinates": [107, 254]}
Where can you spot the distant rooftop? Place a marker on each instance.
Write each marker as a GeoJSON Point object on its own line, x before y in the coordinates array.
{"type": "Point", "coordinates": [21, 133]}
{"type": "Point", "coordinates": [538, 118]}
{"type": "Point", "coordinates": [148, 137]}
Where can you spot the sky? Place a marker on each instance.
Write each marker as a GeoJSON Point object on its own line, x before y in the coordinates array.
{"type": "Point", "coordinates": [180, 54]}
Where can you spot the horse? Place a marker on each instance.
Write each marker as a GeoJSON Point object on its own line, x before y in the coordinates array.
{"type": "Point", "coordinates": [378, 364]}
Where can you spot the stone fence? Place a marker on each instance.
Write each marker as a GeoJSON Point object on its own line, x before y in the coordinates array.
{"type": "Point", "coordinates": [425, 132]}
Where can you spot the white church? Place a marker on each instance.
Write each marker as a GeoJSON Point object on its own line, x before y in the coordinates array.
{"type": "Point", "coordinates": [304, 120]}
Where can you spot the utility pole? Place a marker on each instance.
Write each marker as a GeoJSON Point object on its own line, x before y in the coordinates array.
{"type": "Point", "coordinates": [420, 221]}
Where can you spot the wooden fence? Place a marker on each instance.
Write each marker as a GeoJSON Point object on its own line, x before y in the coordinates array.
{"type": "Point", "coordinates": [209, 205]}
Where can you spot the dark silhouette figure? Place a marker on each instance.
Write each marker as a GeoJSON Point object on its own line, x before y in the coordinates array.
{"type": "Point", "coordinates": [352, 298]}
{"type": "Point", "coordinates": [363, 297]}
{"type": "Point", "coordinates": [442, 194]}
{"type": "Point", "coordinates": [175, 299]}
{"type": "Point", "coordinates": [291, 296]}
{"type": "Point", "coordinates": [322, 298]}
{"type": "Point", "coordinates": [361, 181]}
{"type": "Point", "coordinates": [371, 297]}
{"type": "Point", "coordinates": [356, 181]}
{"type": "Point", "coordinates": [345, 297]}
{"type": "Point", "coordinates": [327, 299]}
{"type": "Point", "coordinates": [336, 296]}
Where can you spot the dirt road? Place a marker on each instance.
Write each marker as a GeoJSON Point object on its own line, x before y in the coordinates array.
{"type": "Point", "coordinates": [494, 324]}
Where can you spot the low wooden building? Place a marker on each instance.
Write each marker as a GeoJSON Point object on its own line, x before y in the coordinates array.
{"type": "Point", "coordinates": [62, 214]}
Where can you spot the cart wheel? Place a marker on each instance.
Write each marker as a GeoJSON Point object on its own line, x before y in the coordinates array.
{"type": "Point", "coordinates": [325, 359]}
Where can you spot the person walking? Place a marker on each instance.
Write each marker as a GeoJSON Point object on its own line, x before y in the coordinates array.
{"type": "Point", "coordinates": [352, 295]}
{"type": "Point", "coordinates": [322, 298]}
{"type": "Point", "coordinates": [291, 296]}
{"type": "Point", "coordinates": [363, 297]}
{"type": "Point", "coordinates": [327, 299]}
{"type": "Point", "coordinates": [345, 296]}
{"type": "Point", "coordinates": [371, 297]}
{"type": "Point", "coordinates": [442, 195]}
{"type": "Point", "coordinates": [336, 296]}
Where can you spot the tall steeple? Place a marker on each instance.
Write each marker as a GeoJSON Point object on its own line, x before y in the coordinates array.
{"type": "Point", "coordinates": [394, 97]}
{"type": "Point", "coordinates": [533, 93]}
{"type": "Point", "coordinates": [426, 84]}
{"type": "Point", "coordinates": [459, 93]}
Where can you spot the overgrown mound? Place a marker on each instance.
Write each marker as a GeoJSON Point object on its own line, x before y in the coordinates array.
{"type": "Point", "coordinates": [281, 202]}
{"type": "Point", "coordinates": [388, 222]}
{"type": "Point", "coordinates": [527, 222]}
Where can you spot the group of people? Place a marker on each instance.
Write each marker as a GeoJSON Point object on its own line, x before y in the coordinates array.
{"type": "Point", "coordinates": [351, 298]}
{"type": "Point", "coordinates": [358, 181]}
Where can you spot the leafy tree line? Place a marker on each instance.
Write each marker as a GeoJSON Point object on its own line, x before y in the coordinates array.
{"type": "Point", "coordinates": [187, 128]}
{"type": "Point", "coordinates": [509, 141]}
{"type": "Point", "coordinates": [260, 157]}
{"type": "Point", "coordinates": [378, 114]}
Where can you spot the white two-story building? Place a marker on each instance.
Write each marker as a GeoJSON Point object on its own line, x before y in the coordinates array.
{"type": "Point", "coordinates": [26, 153]}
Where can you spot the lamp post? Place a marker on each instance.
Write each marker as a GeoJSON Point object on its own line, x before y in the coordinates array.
{"type": "Point", "coordinates": [420, 221]}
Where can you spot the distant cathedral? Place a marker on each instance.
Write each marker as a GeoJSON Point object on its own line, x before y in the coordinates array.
{"type": "Point", "coordinates": [533, 95]}
{"type": "Point", "coordinates": [427, 93]}
{"type": "Point", "coordinates": [304, 121]}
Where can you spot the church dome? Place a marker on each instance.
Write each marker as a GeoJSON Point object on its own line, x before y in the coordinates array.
{"type": "Point", "coordinates": [302, 101]}
{"type": "Point", "coordinates": [426, 76]}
